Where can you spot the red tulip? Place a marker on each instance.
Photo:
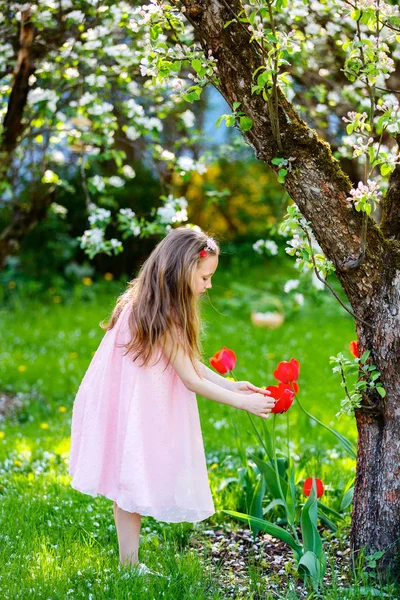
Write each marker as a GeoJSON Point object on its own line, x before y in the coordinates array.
{"type": "Point", "coordinates": [223, 361]}
{"type": "Point", "coordinates": [283, 396]}
{"type": "Point", "coordinates": [354, 348]}
{"type": "Point", "coordinates": [308, 486]}
{"type": "Point", "coordinates": [288, 372]}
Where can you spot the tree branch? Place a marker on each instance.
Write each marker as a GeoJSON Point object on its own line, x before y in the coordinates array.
{"type": "Point", "coordinates": [317, 184]}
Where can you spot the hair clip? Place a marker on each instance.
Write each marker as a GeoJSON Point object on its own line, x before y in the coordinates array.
{"type": "Point", "coordinates": [211, 245]}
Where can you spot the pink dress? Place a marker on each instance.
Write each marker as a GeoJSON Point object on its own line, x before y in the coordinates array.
{"type": "Point", "coordinates": [136, 436]}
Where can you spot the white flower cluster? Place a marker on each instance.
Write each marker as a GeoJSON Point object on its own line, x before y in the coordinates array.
{"type": "Point", "coordinates": [129, 221]}
{"type": "Point", "coordinates": [99, 215]}
{"type": "Point", "coordinates": [40, 95]}
{"type": "Point", "coordinates": [173, 211]}
{"type": "Point", "coordinates": [268, 247]}
{"type": "Point", "coordinates": [385, 10]}
{"type": "Point", "coordinates": [291, 284]}
{"type": "Point", "coordinates": [186, 163]}
{"type": "Point", "coordinates": [365, 196]}
{"type": "Point", "coordinates": [93, 238]}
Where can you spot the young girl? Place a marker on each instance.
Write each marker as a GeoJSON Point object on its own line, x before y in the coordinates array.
{"type": "Point", "coordinates": [135, 434]}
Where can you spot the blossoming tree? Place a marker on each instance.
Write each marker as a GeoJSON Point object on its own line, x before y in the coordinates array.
{"type": "Point", "coordinates": [294, 76]}
{"type": "Point", "coordinates": [256, 56]}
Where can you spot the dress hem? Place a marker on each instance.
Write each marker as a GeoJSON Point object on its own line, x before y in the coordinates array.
{"type": "Point", "coordinates": [144, 512]}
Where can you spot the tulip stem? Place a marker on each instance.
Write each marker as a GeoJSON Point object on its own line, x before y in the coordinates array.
{"type": "Point", "coordinates": [278, 480]}
{"type": "Point", "coordinates": [347, 445]}
{"type": "Point", "coordinates": [257, 434]}
{"type": "Point", "coordinates": [276, 461]}
{"type": "Point", "coordinates": [287, 436]}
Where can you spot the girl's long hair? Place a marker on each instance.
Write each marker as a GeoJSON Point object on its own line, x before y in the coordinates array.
{"type": "Point", "coordinates": [162, 298]}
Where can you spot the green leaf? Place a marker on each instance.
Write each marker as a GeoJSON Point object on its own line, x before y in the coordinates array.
{"type": "Point", "coordinates": [196, 64]}
{"type": "Point", "coordinates": [313, 566]}
{"type": "Point", "coordinates": [365, 356]}
{"type": "Point", "coordinates": [219, 121]}
{"type": "Point", "coordinates": [385, 169]}
{"type": "Point", "coordinates": [271, 528]}
{"type": "Point", "coordinates": [381, 391]}
{"type": "Point", "coordinates": [268, 472]}
{"type": "Point", "coordinates": [350, 128]}
{"type": "Point", "coordinates": [246, 123]}
{"type": "Point", "coordinates": [308, 520]}
{"type": "Point", "coordinates": [347, 499]}
{"type": "Point", "coordinates": [236, 105]}
{"type": "Point", "coordinates": [256, 502]}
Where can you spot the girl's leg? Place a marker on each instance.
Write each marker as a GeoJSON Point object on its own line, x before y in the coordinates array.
{"type": "Point", "coordinates": [128, 530]}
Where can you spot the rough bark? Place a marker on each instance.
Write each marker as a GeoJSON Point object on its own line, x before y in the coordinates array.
{"type": "Point", "coordinates": [320, 188]}
{"type": "Point", "coordinates": [13, 119]}
{"type": "Point", "coordinates": [390, 223]}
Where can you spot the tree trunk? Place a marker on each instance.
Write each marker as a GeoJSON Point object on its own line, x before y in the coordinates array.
{"type": "Point", "coordinates": [320, 189]}
{"type": "Point", "coordinates": [376, 508]}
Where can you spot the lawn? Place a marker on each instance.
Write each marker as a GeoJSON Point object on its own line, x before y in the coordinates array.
{"type": "Point", "coordinates": [59, 543]}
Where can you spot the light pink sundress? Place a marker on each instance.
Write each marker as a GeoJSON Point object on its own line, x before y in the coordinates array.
{"type": "Point", "coordinates": [136, 435]}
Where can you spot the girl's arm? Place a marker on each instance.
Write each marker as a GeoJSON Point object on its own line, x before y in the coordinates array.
{"type": "Point", "coordinates": [215, 377]}
{"type": "Point", "coordinates": [243, 387]}
{"type": "Point", "coordinates": [257, 403]}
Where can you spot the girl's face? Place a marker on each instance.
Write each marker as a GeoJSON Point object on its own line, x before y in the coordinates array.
{"type": "Point", "coordinates": [205, 269]}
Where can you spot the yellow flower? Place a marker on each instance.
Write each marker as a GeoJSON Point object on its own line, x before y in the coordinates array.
{"type": "Point", "coordinates": [214, 466]}
{"type": "Point", "coordinates": [44, 425]}
{"type": "Point", "coordinates": [62, 409]}
{"type": "Point", "coordinates": [87, 281]}
{"type": "Point", "coordinates": [17, 463]}
{"type": "Point", "coordinates": [12, 285]}
{"type": "Point", "coordinates": [108, 276]}
{"type": "Point", "coordinates": [21, 368]}
{"type": "Point", "coordinates": [2, 434]}
{"type": "Point", "coordinates": [57, 299]}
{"type": "Point", "coordinates": [73, 355]}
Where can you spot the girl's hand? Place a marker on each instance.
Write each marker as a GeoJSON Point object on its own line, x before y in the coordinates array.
{"type": "Point", "coordinates": [259, 404]}
{"type": "Point", "coordinates": [245, 387]}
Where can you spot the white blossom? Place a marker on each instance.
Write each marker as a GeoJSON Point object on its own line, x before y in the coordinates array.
{"type": "Point", "coordinates": [116, 181]}
{"type": "Point", "coordinates": [188, 118]}
{"type": "Point", "coordinates": [290, 285]}
{"type": "Point", "coordinates": [128, 171]}
{"type": "Point", "coordinates": [132, 133]}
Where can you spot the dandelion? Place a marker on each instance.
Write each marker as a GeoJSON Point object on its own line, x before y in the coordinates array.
{"type": "Point", "coordinates": [44, 425]}
{"type": "Point", "coordinates": [17, 463]}
{"type": "Point", "coordinates": [87, 281]}
{"type": "Point", "coordinates": [22, 368]}
{"type": "Point", "coordinates": [2, 434]}
{"type": "Point", "coordinates": [62, 409]}
{"type": "Point", "coordinates": [108, 276]}
{"type": "Point", "coordinates": [73, 355]}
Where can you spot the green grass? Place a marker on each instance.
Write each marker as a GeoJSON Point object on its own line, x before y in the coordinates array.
{"type": "Point", "coordinates": [59, 543]}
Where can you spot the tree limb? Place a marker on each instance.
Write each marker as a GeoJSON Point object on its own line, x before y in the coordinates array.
{"type": "Point", "coordinates": [317, 183]}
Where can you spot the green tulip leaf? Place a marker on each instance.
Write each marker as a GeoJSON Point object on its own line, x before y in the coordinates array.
{"type": "Point", "coordinates": [347, 499]}
{"type": "Point", "coordinates": [270, 477]}
{"type": "Point", "coordinates": [309, 517]}
{"type": "Point", "coordinates": [312, 566]}
{"type": "Point", "coordinates": [271, 528]}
